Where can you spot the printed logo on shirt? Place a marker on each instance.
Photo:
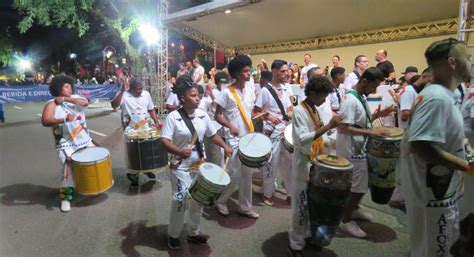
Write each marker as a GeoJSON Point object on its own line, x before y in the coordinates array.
{"type": "Point", "coordinates": [442, 238]}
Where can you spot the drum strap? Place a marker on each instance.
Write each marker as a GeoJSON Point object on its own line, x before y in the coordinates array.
{"type": "Point", "coordinates": [277, 100]}
{"type": "Point", "coordinates": [367, 112]}
{"type": "Point", "coordinates": [191, 128]}
{"type": "Point", "coordinates": [318, 144]}
{"type": "Point", "coordinates": [241, 109]}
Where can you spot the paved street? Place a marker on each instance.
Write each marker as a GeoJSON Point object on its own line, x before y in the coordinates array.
{"type": "Point", "coordinates": [123, 222]}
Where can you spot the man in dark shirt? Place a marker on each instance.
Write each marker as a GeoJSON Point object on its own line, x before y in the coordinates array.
{"type": "Point", "coordinates": [385, 65]}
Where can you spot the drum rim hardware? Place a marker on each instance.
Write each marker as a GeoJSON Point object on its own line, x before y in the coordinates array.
{"type": "Point", "coordinates": [91, 162]}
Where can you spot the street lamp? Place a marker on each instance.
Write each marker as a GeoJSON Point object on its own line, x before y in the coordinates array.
{"type": "Point", "coordinates": [24, 64]}
{"type": "Point", "coordinates": [72, 56]}
{"type": "Point", "coordinates": [149, 33]}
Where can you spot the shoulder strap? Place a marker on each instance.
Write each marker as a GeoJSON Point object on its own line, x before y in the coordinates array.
{"type": "Point", "coordinates": [367, 112]}
{"type": "Point", "coordinates": [357, 74]}
{"type": "Point", "coordinates": [191, 128]}
{"type": "Point", "coordinates": [277, 100]}
{"type": "Point", "coordinates": [241, 109]}
{"type": "Point", "coordinates": [460, 89]}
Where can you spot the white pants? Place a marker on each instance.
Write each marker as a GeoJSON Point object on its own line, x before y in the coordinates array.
{"type": "Point", "coordinates": [299, 227]}
{"type": "Point", "coordinates": [239, 175]}
{"type": "Point", "coordinates": [180, 182]}
{"type": "Point", "coordinates": [67, 179]}
{"type": "Point", "coordinates": [360, 175]}
{"type": "Point", "coordinates": [286, 168]}
{"type": "Point", "coordinates": [432, 229]}
{"type": "Point", "coordinates": [270, 169]}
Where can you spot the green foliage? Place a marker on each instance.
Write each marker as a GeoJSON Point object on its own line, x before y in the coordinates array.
{"type": "Point", "coordinates": [6, 53]}
{"type": "Point", "coordinates": [69, 13]}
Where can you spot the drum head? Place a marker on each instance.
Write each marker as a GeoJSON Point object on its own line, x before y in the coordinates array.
{"type": "Point", "coordinates": [142, 134]}
{"type": "Point", "coordinates": [90, 154]}
{"type": "Point", "coordinates": [332, 160]}
{"type": "Point", "coordinates": [255, 145]}
{"type": "Point", "coordinates": [289, 134]}
{"type": "Point", "coordinates": [394, 131]}
{"type": "Point", "coordinates": [213, 173]}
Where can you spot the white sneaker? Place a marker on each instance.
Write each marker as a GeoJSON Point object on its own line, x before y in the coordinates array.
{"type": "Point", "coordinates": [65, 205]}
{"type": "Point", "coordinates": [257, 190]}
{"type": "Point", "coordinates": [249, 214]}
{"type": "Point", "coordinates": [361, 215]}
{"type": "Point", "coordinates": [222, 209]}
{"type": "Point", "coordinates": [352, 229]}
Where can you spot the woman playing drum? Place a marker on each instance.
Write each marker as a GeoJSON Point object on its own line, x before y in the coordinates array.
{"type": "Point", "coordinates": [65, 114]}
{"type": "Point", "coordinates": [187, 150]}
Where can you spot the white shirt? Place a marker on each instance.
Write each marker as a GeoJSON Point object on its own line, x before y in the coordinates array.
{"type": "Point", "coordinates": [287, 88]}
{"type": "Point", "coordinates": [354, 114]}
{"type": "Point", "coordinates": [436, 119]}
{"type": "Point", "coordinates": [176, 130]}
{"type": "Point", "coordinates": [303, 136]}
{"type": "Point", "coordinates": [231, 111]}
{"type": "Point", "coordinates": [198, 71]}
{"type": "Point", "coordinates": [205, 104]}
{"type": "Point", "coordinates": [335, 100]}
{"type": "Point", "coordinates": [250, 86]}
{"type": "Point", "coordinates": [136, 105]}
{"type": "Point", "coordinates": [304, 71]}
{"type": "Point", "coordinates": [406, 99]}
{"type": "Point", "coordinates": [350, 81]}
{"type": "Point", "coordinates": [267, 102]}
{"type": "Point", "coordinates": [173, 99]}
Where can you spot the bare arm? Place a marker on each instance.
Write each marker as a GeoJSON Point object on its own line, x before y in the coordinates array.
{"type": "Point", "coordinates": [47, 118]}
{"type": "Point", "coordinates": [173, 149]}
{"type": "Point", "coordinates": [434, 154]}
{"type": "Point", "coordinates": [218, 141]}
{"type": "Point", "coordinates": [219, 117]}
{"type": "Point", "coordinates": [117, 100]}
{"type": "Point", "coordinates": [405, 115]}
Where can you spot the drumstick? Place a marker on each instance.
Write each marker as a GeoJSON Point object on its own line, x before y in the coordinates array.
{"type": "Point", "coordinates": [224, 169]}
{"type": "Point", "coordinates": [193, 140]}
{"type": "Point", "coordinates": [260, 115]}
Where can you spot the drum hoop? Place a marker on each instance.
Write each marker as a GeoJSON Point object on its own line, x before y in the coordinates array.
{"type": "Point", "coordinates": [93, 162]}
{"type": "Point", "coordinates": [340, 168]}
{"type": "Point", "coordinates": [241, 153]}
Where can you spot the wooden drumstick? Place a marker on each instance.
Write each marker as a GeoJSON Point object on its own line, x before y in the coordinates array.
{"type": "Point", "coordinates": [260, 115]}
{"type": "Point", "coordinates": [193, 140]}
{"type": "Point", "coordinates": [224, 169]}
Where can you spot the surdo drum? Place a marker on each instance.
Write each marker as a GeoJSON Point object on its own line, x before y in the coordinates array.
{"type": "Point", "coordinates": [329, 189]}
{"type": "Point", "coordinates": [288, 138]}
{"type": "Point", "coordinates": [382, 156]}
{"type": "Point", "coordinates": [255, 150]}
{"type": "Point", "coordinates": [92, 170]}
{"type": "Point", "coordinates": [145, 152]}
{"type": "Point", "coordinates": [208, 184]}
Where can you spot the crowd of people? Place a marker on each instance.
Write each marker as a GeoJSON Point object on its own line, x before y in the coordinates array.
{"type": "Point", "coordinates": [207, 120]}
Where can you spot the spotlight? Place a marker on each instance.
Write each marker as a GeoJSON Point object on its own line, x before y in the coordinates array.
{"type": "Point", "coordinates": [149, 33]}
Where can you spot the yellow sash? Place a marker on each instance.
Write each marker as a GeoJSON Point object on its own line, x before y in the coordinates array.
{"type": "Point", "coordinates": [241, 109]}
{"type": "Point", "coordinates": [318, 144]}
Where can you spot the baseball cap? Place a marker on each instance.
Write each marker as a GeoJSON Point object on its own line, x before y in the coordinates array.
{"type": "Point", "coordinates": [410, 69]}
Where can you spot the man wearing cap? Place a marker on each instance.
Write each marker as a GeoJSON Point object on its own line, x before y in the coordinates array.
{"type": "Point", "coordinates": [410, 71]}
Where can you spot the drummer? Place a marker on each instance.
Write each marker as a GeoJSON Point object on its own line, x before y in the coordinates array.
{"type": "Point", "coordinates": [65, 114]}
{"type": "Point", "coordinates": [137, 109]}
{"type": "Point", "coordinates": [308, 143]}
{"type": "Point", "coordinates": [352, 133]}
{"type": "Point", "coordinates": [233, 111]}
{"type": "Point", "coordinates": [274, 100]}
{"type": "Point", "coordinates": [187, 155]}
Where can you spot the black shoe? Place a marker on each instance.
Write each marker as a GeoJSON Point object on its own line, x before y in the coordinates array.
{"type": "Point", "coordinates": [174, 243]}
{"type": "Point", "coordinates": [199, 239]}
{"type": "Point", "coordinates": [295, 253]}
{"type": "Point", "coordinates": [150, 175]}
{"type": "Point", "coordinates": [133, 179]}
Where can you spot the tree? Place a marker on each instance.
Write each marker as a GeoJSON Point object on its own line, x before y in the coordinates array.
{"type": "Point", "coordinates": [6, 53]}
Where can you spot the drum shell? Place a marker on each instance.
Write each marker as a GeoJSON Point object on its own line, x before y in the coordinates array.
{"type": "Point", "coordinates": [328, 194]}
{"type": "Point", "coordinates": [94, 177]}
{"type": "Point", "coordinates": [261, 142]}
{"type": "Point", "coordinates": [382, 157]}
{"type": "Point", "coordinates": [204, 191]}
{"type": "Point", "coordinates": [146, 154]}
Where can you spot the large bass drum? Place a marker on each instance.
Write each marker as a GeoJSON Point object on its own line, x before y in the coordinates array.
{"type": "Point", "coordinates": [382, 156]}
{"type": "Point", "coordinates": [329, 190]}
{"type": "Point", "coordinates": [145, 152]}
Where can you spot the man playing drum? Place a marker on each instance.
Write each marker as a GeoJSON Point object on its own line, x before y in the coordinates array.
{"type": "Point", "coordinates": [65, 114]}
{"type": "Point", "coordinates": [274, 100]}
{"type": "Point", "coordinates": [432, 154]}
{"type": "Point", "coordinates": [352, 134]}
{"type": "Point", "coordinates": [137, 107]}
{"type": "Point", "coordinates": [188, 153]}
{"type": "Point", "coordinates": [308, 143]}
{"type": "Point", "coordinates": [233, 111]}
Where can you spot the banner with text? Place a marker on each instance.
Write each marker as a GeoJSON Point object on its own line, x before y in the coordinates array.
{"type": "Point", "coordinates": [40, 92]}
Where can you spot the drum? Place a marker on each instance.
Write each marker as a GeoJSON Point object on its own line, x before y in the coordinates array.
{"type": "Point", "coordinates": [92, 170]}
{"type": "Point", "coordinates": [329, 190]}
{"type": "Point", "coordinates": [382, 157]}
{"type": "Point", "coordinates": [209, 183]}
{"type": "Point", "coordinates": [255, 150]}
{"type": "Point", "coordinates": [288, 138]}
{"type": "Point", "coordinates": [145, 152]}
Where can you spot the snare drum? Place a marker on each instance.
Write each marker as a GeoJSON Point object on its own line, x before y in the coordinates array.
{"type": "Point", "coordinates": [255, 150]}
{"type": "Point", "coordinates": [382, 155]}
{"type": "Point", "coordinates": [92, 170]}
{"type": "Point", "coordinates": [288, 138]}
{"type": "Point", "coordinates": [208, 185]}
{"type": "Point", "coordinates": [145, 152]}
